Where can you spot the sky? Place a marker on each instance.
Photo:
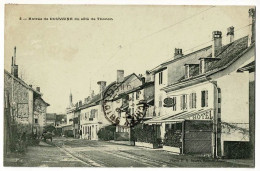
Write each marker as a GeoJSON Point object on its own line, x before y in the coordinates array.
{"type": "Point", "coordinates": [72, 56]}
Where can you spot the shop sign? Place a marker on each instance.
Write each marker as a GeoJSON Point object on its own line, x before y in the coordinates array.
{"type": "Point", "coordinates": [168, 102]}
{"type": "Point", "coordinates": [202, 116]}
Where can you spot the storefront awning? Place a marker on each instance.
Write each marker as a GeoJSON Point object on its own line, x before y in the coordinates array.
{"type": "Point", "coordinates": [182, 116]}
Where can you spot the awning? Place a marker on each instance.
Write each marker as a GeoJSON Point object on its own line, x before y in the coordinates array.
{"type": "Point", "coordinates": [182, 116]}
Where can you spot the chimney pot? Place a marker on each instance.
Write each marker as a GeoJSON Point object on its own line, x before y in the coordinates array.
{"type": "Point", "coordinates": [230, 34]}
{"type": "Point", "coordinates": [120, 76]}
{"type": "Point", "coordinates": [177, 53]}
{"type": "Point", "coordinates": [217, 42]}
{"type": "Point", "coordinates": [102, 86]}
{"type": "Point", "coordinates": [38, 89]}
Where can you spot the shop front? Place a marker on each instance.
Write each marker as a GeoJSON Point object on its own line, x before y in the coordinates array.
{"type": "Point", "coordinates": [187, 132]}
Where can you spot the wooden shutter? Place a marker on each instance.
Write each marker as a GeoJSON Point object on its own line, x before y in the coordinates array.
{"type": "Point", "coordinates": [181, 102]}
{"type": "Point", "coordinates": [206, 98]}
{"type": "Point", "coordinates": [174, 104]}
{"type": "Point", "coordinates": [190, 100]}
{"type": "Point", "coordinates": [194, 100]}
{"type": "Point", "coordinates": [185, 102]}
{"type": "Point", "coordinates": [202, 98]}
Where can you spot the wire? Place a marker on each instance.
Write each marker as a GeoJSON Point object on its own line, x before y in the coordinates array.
{"type": "Point", "coordinates": [156, 32]}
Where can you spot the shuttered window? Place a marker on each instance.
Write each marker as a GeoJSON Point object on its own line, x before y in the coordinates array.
{"type": "Point", "coordinates": [183, 102]}
{"type": "Point", "coordinates": [174, 104]}
{"type": "Point", "coordinates": [192, 100]}
{"type": "Point", "coordinates": [204, 98]}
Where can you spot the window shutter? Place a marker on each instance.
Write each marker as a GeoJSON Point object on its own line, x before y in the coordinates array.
{"type": "Point", "coordinates": [190, 100]}
{"type": "Point", "coordinates": [202, 98]}
{"type": "Point", "coordinates": [186, 102]}
{"type": "Point", "coordinates": [194, 98]}
{"type": "Point", "coordinates": [181, 102]}
{"type": "Point", "coordinates": [206, 98]}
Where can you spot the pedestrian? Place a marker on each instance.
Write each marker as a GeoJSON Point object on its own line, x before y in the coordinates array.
{"type": "Point", "coordinates": [80, 134]}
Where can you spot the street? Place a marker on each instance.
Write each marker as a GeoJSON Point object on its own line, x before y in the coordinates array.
{"type": "Point", "coordinates": [68, 152]}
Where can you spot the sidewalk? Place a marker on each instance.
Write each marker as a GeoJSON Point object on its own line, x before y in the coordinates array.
{"type": "Point", "coordinates": [120, 142]}
{"type": "Point", "coordinates": [42, 155]}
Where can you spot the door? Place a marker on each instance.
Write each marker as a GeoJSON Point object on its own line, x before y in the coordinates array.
{"type": "Point", "coordinates": [198, 137]}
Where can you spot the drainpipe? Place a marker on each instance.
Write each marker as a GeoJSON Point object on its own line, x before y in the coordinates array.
{"type": "Point", "coordinates": [215, 120]}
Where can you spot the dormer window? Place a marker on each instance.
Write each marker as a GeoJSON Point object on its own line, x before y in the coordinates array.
{"type": "Point", "coordinates": [191, 70]}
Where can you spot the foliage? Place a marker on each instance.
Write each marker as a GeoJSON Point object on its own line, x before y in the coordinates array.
{"type": "Point", "coordinates": [107, 133]}
{"type": "Point", "coordinates": [20, 137]}
{"type": "Point", "coordinates": [173, 138]}
{"type": "Point", "coordinates": [145, 133]}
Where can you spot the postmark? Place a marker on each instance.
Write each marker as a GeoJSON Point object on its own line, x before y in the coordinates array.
{"type": "Point", "coordinates": [119, 108]}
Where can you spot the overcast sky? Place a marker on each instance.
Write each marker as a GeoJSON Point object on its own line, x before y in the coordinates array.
{"type": "Point", "coordinates": [62, 55]}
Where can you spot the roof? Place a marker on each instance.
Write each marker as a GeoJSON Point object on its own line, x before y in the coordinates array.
{"type": "Point", "coordinates": [248, 67]}
{"type": "Point", "coordinates": [227, 55]}
{"type": "Point", "coordinates": [179, 117]}
{"type": "Point", "coordinates": [97, 97]}
{"type": "Point", "coordinates": [22, 82]}
{"type": "Point", "coordinates": [50, 116]}
{"type": "Point", "coordinates": [163, 65]}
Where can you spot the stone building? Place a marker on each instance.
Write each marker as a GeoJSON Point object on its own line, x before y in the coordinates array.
{"type": "Point", "coordinates": [27, 104]}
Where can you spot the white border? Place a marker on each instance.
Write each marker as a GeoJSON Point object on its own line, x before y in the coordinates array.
{"type": "Point", "coordinates": [124, 2]}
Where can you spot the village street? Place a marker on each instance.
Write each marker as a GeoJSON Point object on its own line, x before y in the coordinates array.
{"type": "Point", "coordinates": [68, 152]}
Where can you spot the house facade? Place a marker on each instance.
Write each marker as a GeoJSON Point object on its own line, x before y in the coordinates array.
{"type": "Point", "coordinates": [27, 104]}
{"type": "Point", "coordinates": [196, 109]}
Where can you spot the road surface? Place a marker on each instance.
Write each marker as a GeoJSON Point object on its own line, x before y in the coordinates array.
{"type": "Point", "coordinates": [64, 152]}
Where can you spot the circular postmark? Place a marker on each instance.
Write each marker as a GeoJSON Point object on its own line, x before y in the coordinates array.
{"type": "Point", "coordinates": [120, 107]}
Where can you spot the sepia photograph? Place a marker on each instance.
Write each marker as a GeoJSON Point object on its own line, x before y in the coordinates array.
{"type": "Point", "coordinates": [144, 86]}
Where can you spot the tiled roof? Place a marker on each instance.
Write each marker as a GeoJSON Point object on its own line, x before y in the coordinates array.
{"type": "Point", "coordinates": [229, 53]}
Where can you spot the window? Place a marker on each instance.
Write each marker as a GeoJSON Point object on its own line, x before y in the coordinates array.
{"type": "Point", "coordinates": [133, 96]}
{"type": "Point", "coordinates": [133, 111]}
{"type": "Point", "coordinates": [36, 121]}
{"type": "Point", "coordinates": [183, 102]}
{"type": "Point", "coordinates": [204, 98]}
{"type": "Point", "coordinates": [192, 100]}
{"type": "Point", "coordinates": [138, 94]}
{"type": "Point", "coordinates": [160, 77]}
{"type": "Point", "coordinates": [174, 104]}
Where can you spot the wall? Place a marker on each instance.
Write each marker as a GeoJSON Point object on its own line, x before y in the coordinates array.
{"type": "Point", "coordinates": [159, 95]}
{"type": "Point", "coordinates": [22, 98]}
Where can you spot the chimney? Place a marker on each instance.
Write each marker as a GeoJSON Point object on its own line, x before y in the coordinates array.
{"type": "Point", "coordinates": [38, 89]}
{"type": "Point", "coordinates": [120, 76]}
{"type": "Point", "coordinates": [251, 35]}
{"type": "Point", "coordinates": [177, 53]}
{"type": "Point", "coordinates": [14, 67]}
{"type": "Point", "coordinates": [80, 103]}
{"type": "Point", "coordinates": [147, 76]}
{"type": "Point", "coordinates": [85, 100]}
{"type": "Point", "coordinates": [230, 34]}
{"type": "Point", "coordinates": [217, 42]}
{"type": "Point", "coordinates": [92, 94]}
{"type": "Point", "coordinates": [30, 85]}
{"type": "Point", "coordinates": [102, 86]}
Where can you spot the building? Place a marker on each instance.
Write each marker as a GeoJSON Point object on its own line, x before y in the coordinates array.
{"type": "Point", "coordinates": [27, 104]}
{"type": "Point", "coordinates": [51, 119]}
{"type": "Point", "coordinates": [195, 106]}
